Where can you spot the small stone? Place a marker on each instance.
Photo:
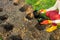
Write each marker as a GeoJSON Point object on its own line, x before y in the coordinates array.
{"type": "Point", "coordinates": [15, 37]}
{"type": "Point", "coordinates": [15, 4]}
{"type": "Point", "coordinates": [29, 16]}
{"type": "Point", "coordinates": [40, 27]}
{"type": "Point", "coordinates": [1, 9]}
{"type": "Point", "coordinates": [22, 9]}
{"type": "Point", "coordinates": [25, 19]}
{"type": "Point", "coordinates": [10, 0]}
{"type": "Point", "coordinates": [8, 27]}
{"type": "Point", "coordinates": [4, 17]}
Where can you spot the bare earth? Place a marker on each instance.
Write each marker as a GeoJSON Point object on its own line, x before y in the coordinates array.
{"type": "Point", "coordinates": [25, 29]}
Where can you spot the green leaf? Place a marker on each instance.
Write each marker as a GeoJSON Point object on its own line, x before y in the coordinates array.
{"type": "Point", "coordinates": [44, 4]}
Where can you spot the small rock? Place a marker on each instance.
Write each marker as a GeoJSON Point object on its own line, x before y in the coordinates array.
{"type": "Point", "coordinates": [14, 37]}
{"type": "Point", "coordinates": [29, 16]}
{"type": "Point", "coordinates": [22, 9]}
{"type": "Point", "coordinates": [1, 9]}
{"type": "Point", "coordinates": [4, 17]}
{"type": "Point", "coordinates": [8, 27]}
{"type": "Point", "coordinates": [16, 2]}
{"type": "Point", "coordinates": [40, 27]}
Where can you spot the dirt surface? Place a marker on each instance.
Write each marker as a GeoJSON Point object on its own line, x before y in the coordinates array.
{"type": "Point", "coordinates": [26, 30]}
